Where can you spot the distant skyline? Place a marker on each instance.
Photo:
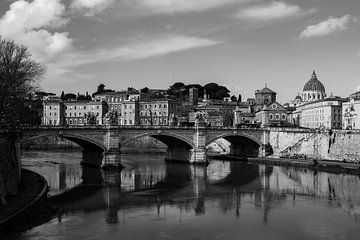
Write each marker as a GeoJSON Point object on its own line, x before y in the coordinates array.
{"type": "Point", "coordinates": [242, 44]}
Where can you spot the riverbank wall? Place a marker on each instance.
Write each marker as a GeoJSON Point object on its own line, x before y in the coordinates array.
{"type": "Point", "coordinates": [10, 164]}
{"type": "Point", "coordinates": [336, 145]}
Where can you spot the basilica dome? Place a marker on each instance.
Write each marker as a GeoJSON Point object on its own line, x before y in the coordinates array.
{"type": "Point", "coordinates": [313, 90]}
{"type": "Point", "coordinates": [314, 84]}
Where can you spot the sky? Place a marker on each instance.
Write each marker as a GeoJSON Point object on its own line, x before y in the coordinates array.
{"type": "Point", "coordinates": [242, 44]}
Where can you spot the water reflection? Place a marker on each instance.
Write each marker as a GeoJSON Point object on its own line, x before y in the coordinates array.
{"type": "Point", "coordinates": [149, 187]}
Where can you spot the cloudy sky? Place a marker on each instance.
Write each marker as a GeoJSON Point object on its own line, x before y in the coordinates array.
{"type": "Point", "coordinates": [241, 44]}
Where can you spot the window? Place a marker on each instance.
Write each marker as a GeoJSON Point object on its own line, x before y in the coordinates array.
{"type": "Point", "coordinates": [124, 122]}
{"type": "Point", "coordinates": [277, 116]}
{"type": "Point", "coordinates": [74, 107]}
{"type": "Point", "coordinates": [74, 114]}
{"type": "Point", "coordinates": [84, 107]}
{"type": "Point", "coordinates": [130, 122]}
{"type": "Point", "coordinates": [70, 114]}
{"type": "Point", "coordinates": [97, 107]}
{"type": "Point", "coordinates": [50, 114]}
{"type": "Point", "coordinates": [283, 117]}
{"type": "Point", "coordinates": [50, 122]}
{"type": "Point", "coordinates": [50, 107]}
{"type": "Point", "coordinates": [270, 116]}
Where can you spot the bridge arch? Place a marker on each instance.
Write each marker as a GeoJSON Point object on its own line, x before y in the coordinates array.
{"type": "Point", "coordinates": [86, 143]}
{"type": "Point", "coordinates": [241, 144]}
{"type": "Point", "coordinates": [165, 137]}
{"type": "Point", "coordinates": [179, 148]}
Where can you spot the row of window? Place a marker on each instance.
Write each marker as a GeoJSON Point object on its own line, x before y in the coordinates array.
{"type": "Point", "coordinates": [277, 116]}
{"type": "Point", "coordinates": [77, 121]}
{"type": "Point", "coordinates": [120, 99]}
{"type": "Point", "coordinates": [156, 106]}
{"type": "Point", "coordinates": [154, 121]}
{"type": "Point", "coordinates": [148, 114]}
{"type": "Point", "coordinates": [119, 106]}
{"type": "Point", "coordinates": [80, 107]}
{"type": "Point", "coordinates": [74, 107]}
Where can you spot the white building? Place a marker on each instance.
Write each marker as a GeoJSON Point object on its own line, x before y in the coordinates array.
{"type": "Point", "coordinates": [351, 112]}
{"type": "Point", "coordinates": [53, 113]}
{"type": "Point", "coordinates": [325, 113]}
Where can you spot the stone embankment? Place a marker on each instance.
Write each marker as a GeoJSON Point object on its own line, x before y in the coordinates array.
{"type": "Point", "coordinates": [20, 190]}
{"type": "Point", "coordinates": [10, 166]}
{"type": "Point", "coordinates": [332, 145]}
{"type": "Point", "coordinates": [21, 210]}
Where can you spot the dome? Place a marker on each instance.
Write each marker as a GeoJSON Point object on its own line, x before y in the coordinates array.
{"type": "Point", "coordinates": [314, 84]}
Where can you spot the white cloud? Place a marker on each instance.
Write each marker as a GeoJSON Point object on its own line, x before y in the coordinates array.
{"type": "Point", "coordinates": [27, 23]}
{"type": "Point", "coordinates": [178, 6]}
{"type": "Point", "coordinates": [91, 7]}
{"type": "Point", "coordinates": [141, 50]}
{"type": "Point", "coordinates": [67, 63]}
{"type": "Point", "coordinates": [271, 11]}
{"type": "Point", "coordinates": [329, 26]}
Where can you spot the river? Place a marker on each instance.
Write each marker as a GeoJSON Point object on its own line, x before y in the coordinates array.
{"type": "Point", "coordinates": [151, 199]}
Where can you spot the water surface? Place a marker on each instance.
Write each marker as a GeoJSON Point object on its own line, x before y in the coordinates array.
{"type": "Point", "coordinates": [151, 199]}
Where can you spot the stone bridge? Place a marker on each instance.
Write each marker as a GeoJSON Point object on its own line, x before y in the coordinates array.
{"type": "Point", "coordinates": [185, 144]}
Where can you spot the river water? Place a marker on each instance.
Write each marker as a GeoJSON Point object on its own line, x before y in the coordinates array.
{"type": "Point", "coordinates": [151, 199]}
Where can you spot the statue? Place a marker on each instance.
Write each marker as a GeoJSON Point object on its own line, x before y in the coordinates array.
{"type": "Point", "coordinates": [90, 118]}
{"type": "Point", "coordinates": [199, 119]}
{"type": "Point", "coordinates": [111, 118]}
{"type": "Point", "coordinates": [172, 120]}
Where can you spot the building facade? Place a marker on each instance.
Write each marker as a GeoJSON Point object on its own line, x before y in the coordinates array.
{"type": "Point", "coordinates": [125, 104]}
{"type": "Point", "coordinates": [70, 113]}
{"type": "Point", "coordinates": [84, 112]}
{"type": "Point", "coordinates": [271, 115]}
{"type": "Point", "coordinates": [351, 112]}
{"type": "Point", "coordinates": [263, 98]}
{"type": "Point", "coordinates": [53, 113]}
{"type": "Point", "coordinates": [325, 113]}
{"type": "Point", "coordinates": [155, 112]}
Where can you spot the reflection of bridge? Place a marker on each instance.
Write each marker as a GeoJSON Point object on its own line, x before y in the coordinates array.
{"type": "Point", "coordinates": [188, 187]}
{"type": "Point", "coordinates": [186, 144]}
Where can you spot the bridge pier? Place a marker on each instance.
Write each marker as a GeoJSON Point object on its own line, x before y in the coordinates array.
{"type": "Point", "coordinates": [198, 156]}
{"type": "Point", "coordinates": [112, 159]}
{"type": "Point", "coordinates": [112, 154]}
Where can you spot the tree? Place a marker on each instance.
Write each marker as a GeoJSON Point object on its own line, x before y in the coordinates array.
{"type": "Point", "coordinates": [101, 89]}
{"type": "Point", "coordinates": [216, 92]}
{"type": "Point", "coordinates": [18, 77]}
{"type": "Point", "coordinates": [144, 90]}
{"type": "Point", "coordinates": [239, 98]}
{"type": "Point", "coordinates": [62, 97]}
{"type": "Point", "coordinates": [233, 98]}
{"type": "Point", "coordinates": [69, 96]}
{"type": "Point", "coordinates": [176, 89]}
